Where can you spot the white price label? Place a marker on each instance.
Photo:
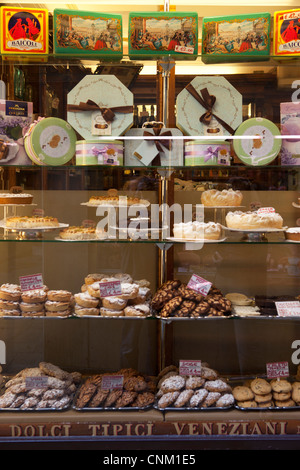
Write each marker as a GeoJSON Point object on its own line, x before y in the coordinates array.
{"type": "Point", "coordinates": [288, 309]}
{"type": "Point", "coordinates": [110, 382]}
{"type": "Point", "coordinates": [277, 369]}
{"type": "Point", "coordinates": [265, 210]}
{"type": "Point", "coordinates": [189, 367]}
{"type": "Point", "coordinates": [36, 382]}
{"type": "Point", "coordinates": [198, 284]}
{"type": "Point", "coordinates": [184, 49]}
{"type": "Point", "coordinates": [32, 282]}
{"type": "Point", "coordinates": [111, 288]}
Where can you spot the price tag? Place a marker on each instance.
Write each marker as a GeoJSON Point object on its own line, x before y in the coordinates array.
{"type": "Point", "coordinates": [38, 212]}
{"type": "Point", "coordinates": [198, 284]}
{"type": "Point", "coordinates": [277, 369]}
{"type": "Point", "coordinates": [265, 210]}
{"type": "Point", "coordinates": [36, 382]}
{"type": "Point", "coordinates": [111, 288]}
{"type": "Point", "coordinates": [189, 367]}
{"type": "Point", "coordinates": [288, 309]}
{"type": "Point", "coordinates": [88, 223]}
{"type": "Point", "coordinates": [33, 282]}
{"type": "Point", "coordinates": [110, 382]}
{"type": "Point", "coordinates": [184, 49]}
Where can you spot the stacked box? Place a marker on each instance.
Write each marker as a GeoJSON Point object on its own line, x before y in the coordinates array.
{"type": "Point", "coordinates": [24, 31]}
{"type": "Point", "coordinates": [290, 126]}
{"type": "Point", "coordinates": [161, 34]}
{"type": "Point", "coordinates": [286, 37]}
{"type": "Point", "coordinates": [87, 33]}
{"type": "Point", "coordinates": [236, 38]}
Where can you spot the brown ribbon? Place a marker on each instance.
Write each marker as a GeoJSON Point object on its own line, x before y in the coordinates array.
{"type": "Point", "coordinates": [167, 143]}
{"type": "Point", "coordinates": [207, 101]}
{"type": "Point", "coordinates": [107, 113]}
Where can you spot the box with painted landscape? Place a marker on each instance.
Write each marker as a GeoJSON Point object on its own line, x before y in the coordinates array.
{"type": "Point", "coordinates": [159, 34]}
{"type": "Point", "coordinates": [87, 33]}
{"type": "Point", "coordinates": [236, 38]}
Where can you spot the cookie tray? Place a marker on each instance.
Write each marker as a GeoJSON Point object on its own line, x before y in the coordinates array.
{"type": "Point", "coordinates": [107, 408]}
{"type": "Point", "coordinates": [193, 409]}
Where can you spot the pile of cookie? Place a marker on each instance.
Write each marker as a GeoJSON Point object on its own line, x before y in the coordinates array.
{"type": "Point", "coordinates": [207, 390]}
{"type": "Point", "coordinates": [34, 303]}
{"type": "Point", "coordinates": [134, 300]}
{"type": "Point", "coordinates": [138, 391]}
{"type": "Point", "coordinates": [262, 393]}
{"type": "Point", "coordinates": [175, 299]}
{"type": "Point", "coordinates": [40, 388]}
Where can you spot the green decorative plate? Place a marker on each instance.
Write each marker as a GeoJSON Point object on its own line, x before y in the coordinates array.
{"type": "Point", "coordinates": [258, 145]}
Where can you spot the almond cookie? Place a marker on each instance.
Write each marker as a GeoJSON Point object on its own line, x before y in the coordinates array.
{"type": "Point", "coordinates": [10, 292]}
{"type": "Point", "coordinates": [107, 312]}
{"type": "Point", "coordinates": [208, 373]}
{"type": "Point", "coordinates": [98, 399]}
{"type": "Point", "coordinates": [242, 393]}
{"type": "Point", "coordinates": [281, 385]}
{"type": "Point", "coordinates": [84, 299]}
{"type": "Point", "coordinates": [217, 385]}
{"type": "Point", "coordinates": [91, 278]}
{"type": "Point", "coordinates": [165, 370]}
{"type": "Point", "coordinates": [194, 382]}
{"type": "Point", "coordinates": [144, 399]}
{"type": "Point", "coordinates": [114, 303]}
{"type": "Point", "coordinates": [211, 399]}
{"type": "Point", "coordinates": [167, 399]}
{"type": "Point", "coordinates": [8, 305]}
{"type": "Point", "coordinates": [127, 398]}
{"type": "Point", "coordinates": [225, 400]}
{"type": "Point", "coordinates": [172, 384]}
{"type": "Point", "coordinates": [34, 296]}
{"type": "Point", "coordinates": [183, 398]}
{"type": "Point", "coordinates": [59, 295]}
{"type": "Point", "coordinates": [260, 386]}
{"type": "Point", "coordinates": [86, 311]}
{"type": "Point", "coordinates": [139, 310]}
{"type": "Point", "coordinates": [198, 397]}
{"type": "Point", "coordinates": [136, 384]}
{"type": "Point", "coordinates": [112, 398]}
{"type": "Point", "coordinates": [54, 371]}
{"type": "Point", "coordinates": [171, 306]}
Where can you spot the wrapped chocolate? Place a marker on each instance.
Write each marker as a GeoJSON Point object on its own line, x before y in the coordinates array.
{"type": "Point", "coordinates": [100, 106]}
{"type": "Point", "coordinates": [209, 106]}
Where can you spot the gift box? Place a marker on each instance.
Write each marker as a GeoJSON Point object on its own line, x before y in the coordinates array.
{"type": "Point", "coordinates": [155, 148]}
{"type": "Point", "coordinates": [290, 126]}
{"type": "Point", "coordinates": [210, 152]}
{"type": "Point", "coordinates": [24, 31]}
{"type": "Point", "coordinates": [15, 117]}
{"type": "Point", "coordinates": [94, 152]}
{"type": "Point", "coordinates": [236, 38]}
{"type": "Point", "coordinates": [286, 36]}
{"type": "Point", "coordinates": [210, 106]}
{"type": "Point", "coordinates": [87, 33]}
{"type": "Point", "coordinates": [159, 34]}
{"type": "Point", "coordinates": [100, 105]}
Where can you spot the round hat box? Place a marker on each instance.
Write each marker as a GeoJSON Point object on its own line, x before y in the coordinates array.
{"type": "Point", "coordinates": [99, 152]}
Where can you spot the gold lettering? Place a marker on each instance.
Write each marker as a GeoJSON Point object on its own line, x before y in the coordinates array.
{"type": "Point", "coordinates": [193, 429]}
{"type": "Point", "coordinates": [94, 428]}
{"type": "Point", "coordinates": [270, 427]}
{"type": "Point", "coordinates": [234, 429]}
{"type": "Point", "coordinates": [66, 428]}
{"type": "Point", "coordinates": [41, 430]}
{"type": "Point", "coordinates": [256, 429]}
{"type": "Point", "coordinates": [54, 430]}
{"type": "Point", "coordinates": [137, 430]}
{"type": "Point", "coordinates": [150, 429]}
{"type": "Point", "coordinates": [179, 428]}
{"type": "Point", "coordinates": [29, 431]}
{"type": "Point", "coordinates": [128, 427]}
{"type": "Point", "coordinates": [117, 428]}
{"type": "Point", "coordinates": [207, 428]}
{"type": "Point", "coordinates": [105, 429]}
{"type": "Point", "coordinates": [222, 428]}
{"type": "Point", "coordinates": [283, 426]}
{"type": "Point", "coordinates": [16, 430]}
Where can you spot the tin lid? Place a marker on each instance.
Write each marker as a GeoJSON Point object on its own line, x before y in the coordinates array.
{"type": "Point", "coordinates": [52, 141]}
{"type": "Point", "coordinates": [99, 142]}
{"type": "Point", "coordinates": [207, 142]}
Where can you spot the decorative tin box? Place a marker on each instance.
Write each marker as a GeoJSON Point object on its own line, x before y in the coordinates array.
{"type": "Point", "coordinates": [210, 106]}
{"type": "Point", "coordinates": [290, 126]}
{"type": "Point", "coordinates": [100, 105]}
{"type": "Point", "coordinates": [286, 37]}
{"type": "Point", "coordinates": [24, 31]}
{"type": "Point", "coordinates": [156, 148]}
{"type": "Point", "coordinates": [203, 153]}
{"type": "Point", "coordinates": [88, 33]}
{"type": "Point", "coordinates": [50, 141]}
{"type": "Point", "coordinates": [95, 152]}
{"type": "Point", "coordinates": [236, 38]}
{"type": "Point", "coordinates": [159, 34]}
{"type": "Point", "coordinates": [15, 117]}
{"type": "Point", "coordinates": [259, 144]}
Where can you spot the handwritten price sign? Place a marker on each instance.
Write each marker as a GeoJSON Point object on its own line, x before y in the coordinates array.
{"type": "Point", "coordinates": [33, 282]}
{"type": "Point", "coordinates": [184, 49]}
{"type": "Point", "coordinates": [189, 367]}
{"type": "Point", "coordinates": [111, 288]}
{"type": "Point", "coordinates": [277, 369]}
{"type": "Point", "coordinates": [198, 284]}
{"type": "Point", "coordinates": [288, 309]}
{"type": "Point", "coordinates": [110, 382]}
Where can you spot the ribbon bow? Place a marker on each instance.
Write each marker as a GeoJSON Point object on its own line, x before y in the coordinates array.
{"type": "Point", "coordinates": [159, 143]}
{"type": "Point", "coordinates": [107, 113]}
{"type": "Point", "coordinates": [207, 101]}
{"type": "Point", "coordinates": [210, 153]}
